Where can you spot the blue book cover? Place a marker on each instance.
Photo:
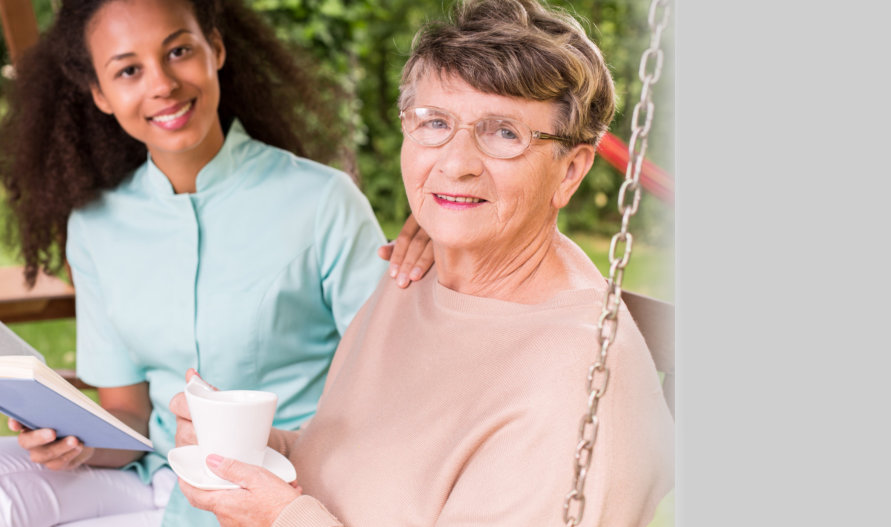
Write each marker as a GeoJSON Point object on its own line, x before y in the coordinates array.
{"type": "Point", "coordinates": [38, 397]}
{"type": "Point", "coordinates": [38, 406]}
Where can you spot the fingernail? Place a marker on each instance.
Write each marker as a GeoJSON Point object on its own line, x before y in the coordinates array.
{"type": "Point", "coordinates": [402, 280]}
{"type": "Point", "coordinates": [214, 460]}
{"type": "Point", "coordinates": [393, 270]}
{"type": "Point", "coordinates": [415, 273]}
{"type": "Point", "coordinates": [72, 441]}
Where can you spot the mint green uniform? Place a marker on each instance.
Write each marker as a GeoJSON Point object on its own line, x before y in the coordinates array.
{"type": "Point", "coordinates": [251, 280]}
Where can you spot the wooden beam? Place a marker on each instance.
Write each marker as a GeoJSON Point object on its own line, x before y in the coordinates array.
{"type": "Point", "coordinates": [51, 297]}
{"type": "Point", "coordinates": [19, 26]}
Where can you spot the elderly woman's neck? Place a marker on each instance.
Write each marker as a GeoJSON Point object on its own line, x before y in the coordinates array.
{"type": "Point", "coordinates": [527, 273]}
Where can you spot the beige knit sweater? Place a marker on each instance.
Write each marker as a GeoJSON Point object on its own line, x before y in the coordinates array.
{"type": "Point", "coordinates": [444, 409]}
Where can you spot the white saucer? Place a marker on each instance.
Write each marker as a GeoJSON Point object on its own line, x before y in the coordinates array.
{"type": "Point", "coordinates": [187, 463]}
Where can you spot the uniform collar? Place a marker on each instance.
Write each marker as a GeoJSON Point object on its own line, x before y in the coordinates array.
{"type": "Point", "coordinates": [216, 173]}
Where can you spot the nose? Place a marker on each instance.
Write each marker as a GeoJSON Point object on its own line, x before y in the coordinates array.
{"type": "Point", "coordinates": [162, 81]}
{"type": "Point", "coordinates": [461, 156]}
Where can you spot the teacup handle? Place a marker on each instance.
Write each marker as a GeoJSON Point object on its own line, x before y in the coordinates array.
{"type": "Point", "coordinates": [196, 380]}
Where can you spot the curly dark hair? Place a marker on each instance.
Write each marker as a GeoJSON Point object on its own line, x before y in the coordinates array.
{"type": "Point", "coordinates": [58, 151]}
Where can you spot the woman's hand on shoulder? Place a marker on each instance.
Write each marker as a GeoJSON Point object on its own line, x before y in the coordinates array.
{"type": "Point", "coordinates": [56, 454]}
{"type": "Point", "coordinates": [410, 254]}
{"type": "Point", "coordinates": [259, 501]}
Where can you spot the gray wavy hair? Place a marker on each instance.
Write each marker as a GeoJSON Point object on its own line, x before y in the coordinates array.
{"type": "Point", "coordinates": [518, 48]}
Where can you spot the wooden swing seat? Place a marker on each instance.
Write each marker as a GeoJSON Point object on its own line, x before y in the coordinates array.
{"type": "Point", "coordinates": [655, 319]}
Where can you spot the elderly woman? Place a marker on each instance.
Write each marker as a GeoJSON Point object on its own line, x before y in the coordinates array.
{"type": "Point", "coordinates": [457, 401]}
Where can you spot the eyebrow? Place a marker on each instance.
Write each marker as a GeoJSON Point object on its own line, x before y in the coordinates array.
{"type": "Point", "coordinates": [488, 115]}
{"type": "Point", "coordinates": [170, 37]}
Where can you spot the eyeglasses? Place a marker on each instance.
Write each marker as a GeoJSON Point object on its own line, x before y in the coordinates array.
{"type": "Point", "coordinates": [498, 137]}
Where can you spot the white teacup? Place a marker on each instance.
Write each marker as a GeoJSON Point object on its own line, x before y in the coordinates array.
{"type": "Point", "coordinates": [231, 423]}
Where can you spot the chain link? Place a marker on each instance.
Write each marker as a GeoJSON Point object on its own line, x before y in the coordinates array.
{"type": "Point", "coordinates": [608, 322]}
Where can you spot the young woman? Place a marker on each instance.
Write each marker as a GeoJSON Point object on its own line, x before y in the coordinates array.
{"type": "Point", "coordinates": [157, 141]}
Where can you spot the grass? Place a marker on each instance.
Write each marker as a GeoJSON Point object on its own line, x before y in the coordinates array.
{"type": "Point", "coordinates": [55, 339]}
{"type": "Point", "coordinates": [650, 270]}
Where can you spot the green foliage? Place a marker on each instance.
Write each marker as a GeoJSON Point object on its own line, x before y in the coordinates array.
{"type": "Point", "coordinates": [620, 29]}
{"type": "Point", "coordinates": [362, 44]}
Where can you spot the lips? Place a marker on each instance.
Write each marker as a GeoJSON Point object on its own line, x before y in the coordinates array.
{"type": "Point", "coordinates": [458, 203]}
{"type": "Point", "coordinates": [459, 199]}
{"type": "Point", "coordinates": [171, 114]}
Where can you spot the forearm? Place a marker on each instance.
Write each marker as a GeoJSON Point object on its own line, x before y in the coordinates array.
{"type": "Point", "coordinates": [112, 458]}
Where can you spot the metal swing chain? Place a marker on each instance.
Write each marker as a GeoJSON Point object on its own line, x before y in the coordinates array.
{"type": "Point", "coordinates": [607, 323]}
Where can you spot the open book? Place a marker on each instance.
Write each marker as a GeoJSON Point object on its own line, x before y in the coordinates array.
{"type": "Point", "coordinates": [38, 397]}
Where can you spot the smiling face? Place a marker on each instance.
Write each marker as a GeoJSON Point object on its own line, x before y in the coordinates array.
{"type": "Point", "coordinates": [157, 74]}
{"type": "Point", "coordinates": [466, 200]}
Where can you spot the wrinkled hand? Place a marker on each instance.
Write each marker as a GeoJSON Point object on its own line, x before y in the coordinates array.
{"type": "Point", "coordinates": [185, 431]}
{"type": "Point", "coordinates": [410, 255]}
{"type": "Point", "coordinates": [258, 502]}
{"type": "Point", "coordinates": [63, 454]}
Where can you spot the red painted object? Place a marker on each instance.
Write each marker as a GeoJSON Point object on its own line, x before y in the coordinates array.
{"type": "Point", "coordinates": [655, 180]}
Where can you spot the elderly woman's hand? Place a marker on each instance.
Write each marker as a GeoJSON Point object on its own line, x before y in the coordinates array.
{"type": "Point", "coordinates": [410, 254]}
{"type": "Point", "coordinates": [258, 502]}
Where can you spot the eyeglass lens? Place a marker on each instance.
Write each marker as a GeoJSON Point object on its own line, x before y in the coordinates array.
{"type": "Point", "coordinates": [498, 137]}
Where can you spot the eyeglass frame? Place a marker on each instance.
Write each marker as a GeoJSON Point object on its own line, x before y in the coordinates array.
{"type": "Point", "coordinates": [536, 134]}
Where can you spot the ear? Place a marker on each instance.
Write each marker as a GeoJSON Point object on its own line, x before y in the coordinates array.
{"type": "Point", "coordinates": [216, 42]}
{"type": "Point", "coordinates": [577, 162]}
{"type": "Point", "coordinates": [99, 99]}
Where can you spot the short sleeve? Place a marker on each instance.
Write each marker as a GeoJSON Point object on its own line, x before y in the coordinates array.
{"type": "Point", "coordinates": [347, 236]}
{"type": "Point", "coordinates": [102, 359]}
